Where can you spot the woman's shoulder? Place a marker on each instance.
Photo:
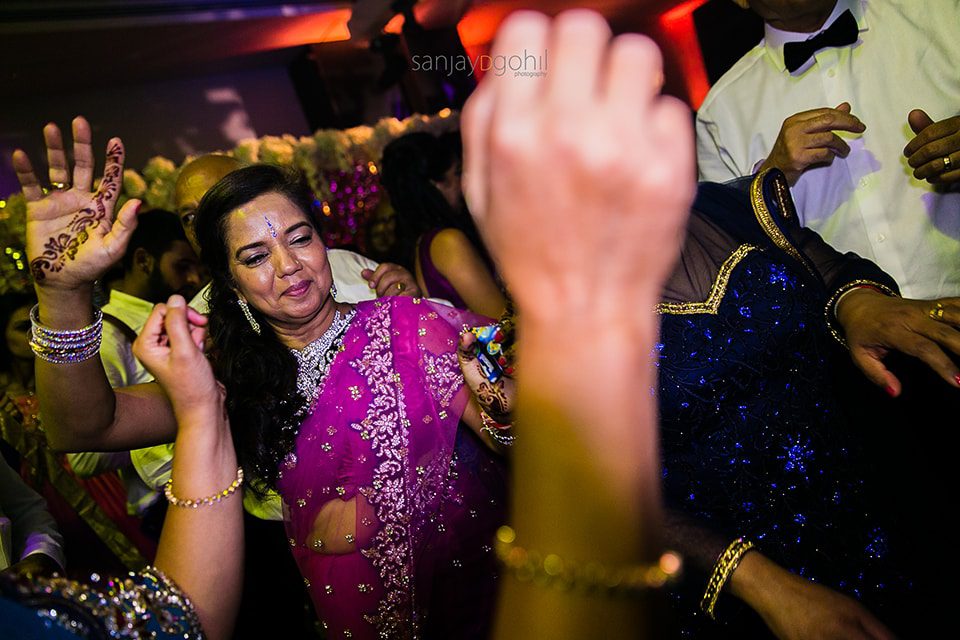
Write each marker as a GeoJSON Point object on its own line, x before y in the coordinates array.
{"type": "Point", "coordinates": [449, 236]}
{"type": "Point", "coordinates": [448, 245]}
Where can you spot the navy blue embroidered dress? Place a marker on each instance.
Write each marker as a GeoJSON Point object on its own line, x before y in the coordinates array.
{"type": "Point", "coordinates": [753, 442]}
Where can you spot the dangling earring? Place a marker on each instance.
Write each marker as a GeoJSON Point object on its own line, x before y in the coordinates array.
{"type": "Point", "coordinates": [249, 316]}
{"type": "Point", "coordinates": [333, 290]}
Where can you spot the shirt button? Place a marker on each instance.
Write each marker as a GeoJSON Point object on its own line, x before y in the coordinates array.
{"type": "Point", "coordinates": [864, 182]}
{"type": "Point", "coordinates": [881, 237]}
{"type": "Point", "coordinates": [832, 72]}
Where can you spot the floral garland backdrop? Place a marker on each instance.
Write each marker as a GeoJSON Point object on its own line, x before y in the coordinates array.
{"type": "Point", "coordinates": [341, 166]}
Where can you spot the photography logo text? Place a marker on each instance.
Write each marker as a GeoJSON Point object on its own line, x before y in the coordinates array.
{"type": "Point", "coordinates": [524, 64]}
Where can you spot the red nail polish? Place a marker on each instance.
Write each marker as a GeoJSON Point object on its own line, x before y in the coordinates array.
{"type": "Point", "coordinates": [957, 378]}
{"type": "Point", "coordinates": [893, 394]}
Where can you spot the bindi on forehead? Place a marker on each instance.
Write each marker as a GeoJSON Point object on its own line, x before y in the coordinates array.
{"type": "Point", "coordinates": [270, 227]}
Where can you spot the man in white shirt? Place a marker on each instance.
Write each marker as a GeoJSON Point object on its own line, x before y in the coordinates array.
{"type": "Point", "coordinates": [846, 118]}
{"type": "Point", "coordinates": [159, 262]}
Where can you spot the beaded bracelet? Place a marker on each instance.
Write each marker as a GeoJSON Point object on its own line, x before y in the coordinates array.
{"type": "Point", "coordinates": [722, 570]}
{"type": "Point", "coordinates": [589, 577]}
{"type": "Point", "coordinates": [830, 310]}
{"type": "Point", "coordinates": [65, 346]}
{"type": "Point", "coordinates": [497, 431]}
{"type": "Point", "coordinates": [193, 504]}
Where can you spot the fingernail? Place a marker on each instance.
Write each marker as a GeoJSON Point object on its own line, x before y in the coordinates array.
{"type": "Point", "coordinates": [957, 378]}
{"type": "Point", "coordinates": [893, 394]}
{"type": "Point", "coordinates": [175, 301]}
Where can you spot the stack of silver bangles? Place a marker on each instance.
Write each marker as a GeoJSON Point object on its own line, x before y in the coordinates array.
{"type": "Point", "coordinates": [67, 346]}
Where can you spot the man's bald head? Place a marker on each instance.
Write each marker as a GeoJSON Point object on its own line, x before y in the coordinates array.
{"type": "Point", "coordinates": [195, 179]}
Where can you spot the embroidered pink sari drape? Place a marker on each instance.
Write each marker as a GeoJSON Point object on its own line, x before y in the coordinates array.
{"type": "Point", "coordinates": [384, 430]}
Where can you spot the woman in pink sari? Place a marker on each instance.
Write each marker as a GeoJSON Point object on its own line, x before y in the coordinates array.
{"type": "Point", "coordinates": [354, 415]}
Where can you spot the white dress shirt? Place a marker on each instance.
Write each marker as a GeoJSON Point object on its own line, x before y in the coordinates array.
{"type": "Point", "coordinates": [907, 57]}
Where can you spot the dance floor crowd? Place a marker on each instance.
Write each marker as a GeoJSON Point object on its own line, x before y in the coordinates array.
{"type": "Point", "coordinates": [577, 394]}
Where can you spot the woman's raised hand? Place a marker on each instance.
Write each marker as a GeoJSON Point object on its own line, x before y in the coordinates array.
{"type": "Point", "coordinates": [72, 234]}
{"type": "Point", "coordinates": [580, 181]}
{"type": "Point", "coordinates": [170, 346]}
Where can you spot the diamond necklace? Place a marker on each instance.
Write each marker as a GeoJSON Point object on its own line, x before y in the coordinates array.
{"type": "Point", "coordinates": [313, 361]}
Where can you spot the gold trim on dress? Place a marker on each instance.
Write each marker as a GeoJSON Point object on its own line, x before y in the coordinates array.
{"type": "Point", "coordinates": [767, 223]}
{"type": "Point", "coordinates": [786, 203]}
{"type": "Point", "coordinates": [717, 290]}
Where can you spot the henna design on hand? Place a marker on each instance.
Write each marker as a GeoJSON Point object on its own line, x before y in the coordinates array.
{"type": "Point", "coordinates": [467, 355]}
{"type": "Point", "coordinates": [56, 251]}
{"type": "Point", "coordinates": [493, 399]}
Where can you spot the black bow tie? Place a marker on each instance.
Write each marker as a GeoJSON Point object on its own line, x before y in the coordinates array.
{"type": "Point", "coordinates": [842, 32]}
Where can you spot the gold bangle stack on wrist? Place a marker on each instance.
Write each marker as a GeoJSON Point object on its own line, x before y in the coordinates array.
{"type": "Point", "coordinates": [590, 577]}
{"type": "Point", "coordinates": [193, 504]}
{"type": "Point", "coordinates": [722, 570]}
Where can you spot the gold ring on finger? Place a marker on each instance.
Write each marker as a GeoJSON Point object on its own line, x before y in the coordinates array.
{"type": "Point", "coordinates": [59, 186]}
{"type": "Point", "coordinates": [937, 311]}
{"type": "Point", "coordinates": [947, 163]}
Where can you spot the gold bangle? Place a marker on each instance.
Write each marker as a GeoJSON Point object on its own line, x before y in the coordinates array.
{"type": "Point", "coordinates": [591, 577]}
{"type": "Point", "coordinates": [830, 308]}
{"type": "Point", "coordinates": [722, 570]}
{"type": "Point", "coordinates": [193, 504]}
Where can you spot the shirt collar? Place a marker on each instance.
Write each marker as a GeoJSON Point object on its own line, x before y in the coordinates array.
{"type": "Point", "coordinates": [774, 39]}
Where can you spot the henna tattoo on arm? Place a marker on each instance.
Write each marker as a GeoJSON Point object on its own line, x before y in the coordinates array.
{"type": "Point", "coordinates": [57, 250]}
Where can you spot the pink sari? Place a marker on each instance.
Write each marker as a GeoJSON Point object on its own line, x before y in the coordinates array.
{"type": "Point", "coordinates": [385, 431]}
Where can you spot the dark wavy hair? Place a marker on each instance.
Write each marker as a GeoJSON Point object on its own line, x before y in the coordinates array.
{"type": "Point", "coordinates": [9, 303]}
{"type": "Point", "coordinates": [258, 371]}
{"type": "Point", "coordinates": [409, 167]}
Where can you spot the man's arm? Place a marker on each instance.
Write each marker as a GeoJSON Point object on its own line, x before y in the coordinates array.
{"type": "Point", "coordinates": [805, 140]}
{"type": "Point", "coordinates": [34, 529]}
{"type": "Point", "coordinates": [714, 161]}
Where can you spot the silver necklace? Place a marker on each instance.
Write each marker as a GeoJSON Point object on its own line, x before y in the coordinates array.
{"type": "Point", "coordinates": [313, 361]}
